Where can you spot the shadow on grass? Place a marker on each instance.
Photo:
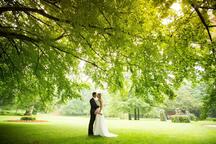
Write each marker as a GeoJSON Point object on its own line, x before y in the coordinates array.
{"type": "Point", "coordinates": [68, 133]}
{"type": "Point", "coordinates": [46, 134]}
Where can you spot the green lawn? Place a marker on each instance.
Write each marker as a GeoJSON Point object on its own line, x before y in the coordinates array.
{"type": "Point", "coordinates": [69, 130]}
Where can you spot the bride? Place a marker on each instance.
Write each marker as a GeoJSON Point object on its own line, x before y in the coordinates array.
{"type": "Point", "coordinates": [100, 128]}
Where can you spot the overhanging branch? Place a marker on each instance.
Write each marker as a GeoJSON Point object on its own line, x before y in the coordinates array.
{"type": "Point", "coordinates": [80, 58]}
{"type": "Point", "coordinates": [28, 9]}
{"type": "Point", "coordinates": [17, 36]}
{"type": "Point", "coordinates": [202, 20]}
{"type": "Point", "coordinates": [207, 7]}
{"type": "Point", "coordinates": [212, 26]}
{"type": "Point", "coordinates": [90, 46]}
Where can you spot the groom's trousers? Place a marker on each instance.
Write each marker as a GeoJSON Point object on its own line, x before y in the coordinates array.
{"type": "Point", "coordinates": [91, 123]}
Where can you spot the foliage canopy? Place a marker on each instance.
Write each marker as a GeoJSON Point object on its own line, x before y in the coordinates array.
{"type": "Point", "coordinates": [151, 43]}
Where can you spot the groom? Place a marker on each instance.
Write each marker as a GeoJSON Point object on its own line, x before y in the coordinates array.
{"type": "Point", "coordinates": [94, 106]}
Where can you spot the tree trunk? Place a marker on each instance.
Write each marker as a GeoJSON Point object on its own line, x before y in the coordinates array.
{"type": "Point", "coordinates": [29, 111]}
{"type": "Point", "coordinates": [129, 116]}
{"type": "Point", "coordinates": [16, 110]}
{"type": "Point", "coordinates": [138, 114]}
{"type": "Point", "coordinates": [135, 114]}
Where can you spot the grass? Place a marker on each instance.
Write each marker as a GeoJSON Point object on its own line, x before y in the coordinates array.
{"type": "Point", "coordinates": [73, 130]}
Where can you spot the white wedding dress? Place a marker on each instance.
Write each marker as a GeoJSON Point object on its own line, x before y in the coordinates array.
{"type": "Point", "coordinates": [100, 127]}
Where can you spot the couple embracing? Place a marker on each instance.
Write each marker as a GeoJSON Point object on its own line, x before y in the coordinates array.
{"type": "Point", "coordinates": [97, 124]}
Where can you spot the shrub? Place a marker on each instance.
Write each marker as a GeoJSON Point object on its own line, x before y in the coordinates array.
{"type": "Point", "coordinates": [192, 117]}
{"type": "Point", "coordinates": [4, 113]}
{"type": "Point", "coordinates": [211, 119]}
{"type": "Point", "coordinates": [153, 113]}
{"type": "Point", "coordinates": [10, 112]}
{"type": "Point", "coordinates": [27, 118]}
{"type": "Point", "coordinates": [180, 119]}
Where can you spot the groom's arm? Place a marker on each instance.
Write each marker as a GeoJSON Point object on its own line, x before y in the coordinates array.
{"type": "Point", "coordinates": [93, 104]}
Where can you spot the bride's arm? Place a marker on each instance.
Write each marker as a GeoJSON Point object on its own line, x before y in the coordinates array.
{"type": "Point", "coordinates": [101, 105]}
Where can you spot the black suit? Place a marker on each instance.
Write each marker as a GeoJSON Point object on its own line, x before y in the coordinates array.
{"type": "Point", "coordinates": [94, 106]}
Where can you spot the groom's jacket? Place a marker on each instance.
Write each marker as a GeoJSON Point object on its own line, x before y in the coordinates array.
{"type": "Point", "coordinates": [94, 106]}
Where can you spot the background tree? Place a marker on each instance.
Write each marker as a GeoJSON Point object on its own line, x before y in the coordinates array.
{"type": "Point", "coordinates": [189, 98]}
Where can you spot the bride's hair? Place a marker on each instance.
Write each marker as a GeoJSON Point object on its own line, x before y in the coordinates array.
{"type": "Point", "coordinates": [99, 95]}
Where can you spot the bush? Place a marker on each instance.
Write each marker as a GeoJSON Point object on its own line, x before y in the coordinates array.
{"type": "Point", "coordinates": [27, 118]}
{"type": "Point", "coordinates": [211, 119]}
{"type": "Point", "coordinates": [180, 119]}
{"type": "Point", "coordinates": [153, 113]}
{"type": "Point", "coordinates": [4, 113]}
{"type": "Point", "coordinates": [192, 117]}
{"type": "Point", "coordinates": [10, 112]}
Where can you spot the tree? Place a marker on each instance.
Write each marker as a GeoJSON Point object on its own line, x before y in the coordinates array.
{"type": "Point", "coordinates": [209, 106]}
{"type": "Point", "coordinates": [189, 98]}
{"type": "Point", "coordinates": [48, 40]}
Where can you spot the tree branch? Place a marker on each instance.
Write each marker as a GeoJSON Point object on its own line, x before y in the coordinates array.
{"type": "Point", "coordinates": [212, 26]}
{"type": "Point", "coordinates": [60, 37]}
{"type": "Point", "coordinates": [28, 9]}
{"type": "Point", "coordinates": [207, 7]}
{"type": "Point", "coordinates": [9, 58]}
{"type": "Point", "coordinates": [82, 59]}
{"type": "Point", "coordinates": [99, 28]}
{"type": "Point", "coordinates": [90, 46]}
{"type": "Point", "coordinates": [17, 36]}
{"type": "Point", "coordinates": [37, 19]}
{"type": "Point", "coordinates": [13, 43]}
{"type": "Point", "coordinates": [51, 3]}
{"type": "Point", "coordinates": [38, 61]}
{"type": "Point", "coordinates": [202, 20]}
